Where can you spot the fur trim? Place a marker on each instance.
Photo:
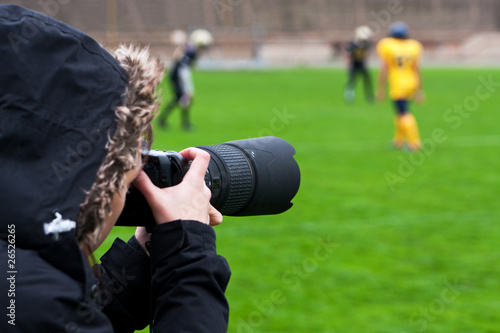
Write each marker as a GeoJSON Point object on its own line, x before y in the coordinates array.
{"type": "Point", "coordinates": [133, 122]}
{"type": "Point", "coordinates": [144, 71]}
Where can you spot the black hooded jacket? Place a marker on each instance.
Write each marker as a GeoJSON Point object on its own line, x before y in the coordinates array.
{"type": "Point", "coordinates": [58, 92]}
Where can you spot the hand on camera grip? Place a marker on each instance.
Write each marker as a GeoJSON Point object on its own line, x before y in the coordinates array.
{"type": "Point", "coordinates": [189, 200]}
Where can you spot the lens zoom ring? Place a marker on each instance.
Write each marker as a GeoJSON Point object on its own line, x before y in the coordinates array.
{"type": "Point", "coordinates": [240, 177]}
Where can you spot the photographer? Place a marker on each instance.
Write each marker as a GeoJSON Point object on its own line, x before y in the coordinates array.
{"type": "Point", "coordinates": [72, 117]}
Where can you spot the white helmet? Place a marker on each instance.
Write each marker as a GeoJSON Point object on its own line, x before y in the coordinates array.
{"type": "Point", "coordinates": [363, 33]}
{"type": "Point", "coordinates": [201, 38]}
{"type": "Point", "coordinates": [178, 37]}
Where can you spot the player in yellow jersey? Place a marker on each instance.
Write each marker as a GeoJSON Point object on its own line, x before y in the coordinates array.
{"type": "Point", "coordinates": [400, 58]}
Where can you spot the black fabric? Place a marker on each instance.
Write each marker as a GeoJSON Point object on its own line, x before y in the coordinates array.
{"type": "Point", "coordinates": [189, 279]}
{"type": "Point", "coordinates": [46, 299]}
{"type": "Point", "coordinates": [188, 284]}
{"type": "Point", "coordinates": [126, 282]}
{"type": "Point", "coordinates": [58, 90]}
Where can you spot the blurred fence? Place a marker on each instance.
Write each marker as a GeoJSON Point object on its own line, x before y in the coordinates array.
{"type": "Point", "coordinates": [260, 32]}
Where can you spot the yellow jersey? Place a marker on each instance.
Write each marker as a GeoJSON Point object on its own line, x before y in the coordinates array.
{"type": "Point", "coordinates": [402, 57]}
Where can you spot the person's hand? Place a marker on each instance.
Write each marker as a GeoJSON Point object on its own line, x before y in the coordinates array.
{"type": "Point", "coordinates": [380, 94]}
{"type": "Point", "coordinates": [419, 97]}
{"type": "Point", "coordinates": [142, 237]}
{"type": "Point", "coordinates": [189, 200]}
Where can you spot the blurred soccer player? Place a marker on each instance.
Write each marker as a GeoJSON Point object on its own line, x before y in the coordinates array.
{"type": "Point", "coordinates": [400, 57]}
{"type": "Point", "coordinates": [357, 52]}
{"type": "Point", "coordinates": [181, 79]}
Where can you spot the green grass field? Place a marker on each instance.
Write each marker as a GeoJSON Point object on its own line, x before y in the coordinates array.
{"type": "Point", "coordinates": [378, 240]}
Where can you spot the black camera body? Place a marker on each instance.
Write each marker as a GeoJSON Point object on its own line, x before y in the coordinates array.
{"type": "Point", "coordinates": [256, 176]}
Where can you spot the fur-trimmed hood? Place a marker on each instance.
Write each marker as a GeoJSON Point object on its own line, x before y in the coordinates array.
{"type": "Point", "coordinates": [60, 96]}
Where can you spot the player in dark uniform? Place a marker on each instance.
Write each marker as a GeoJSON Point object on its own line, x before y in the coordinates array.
{"type": "Point", "coordinates": [181, 80]}
{"type": "Point", "coordinates": [357, 51]}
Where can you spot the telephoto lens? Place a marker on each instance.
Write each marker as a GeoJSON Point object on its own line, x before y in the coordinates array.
{"type": "Point", "coordinates": [257, 176]}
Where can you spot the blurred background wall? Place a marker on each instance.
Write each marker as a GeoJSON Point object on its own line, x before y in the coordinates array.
{"type": "Point", "coordinates": [254, 33]}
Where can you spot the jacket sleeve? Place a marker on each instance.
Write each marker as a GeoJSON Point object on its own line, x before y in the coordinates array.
{"type": "Point", "coordinates": [189, 279]}
{"type": "Point", "coordinates": [126, 278]}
